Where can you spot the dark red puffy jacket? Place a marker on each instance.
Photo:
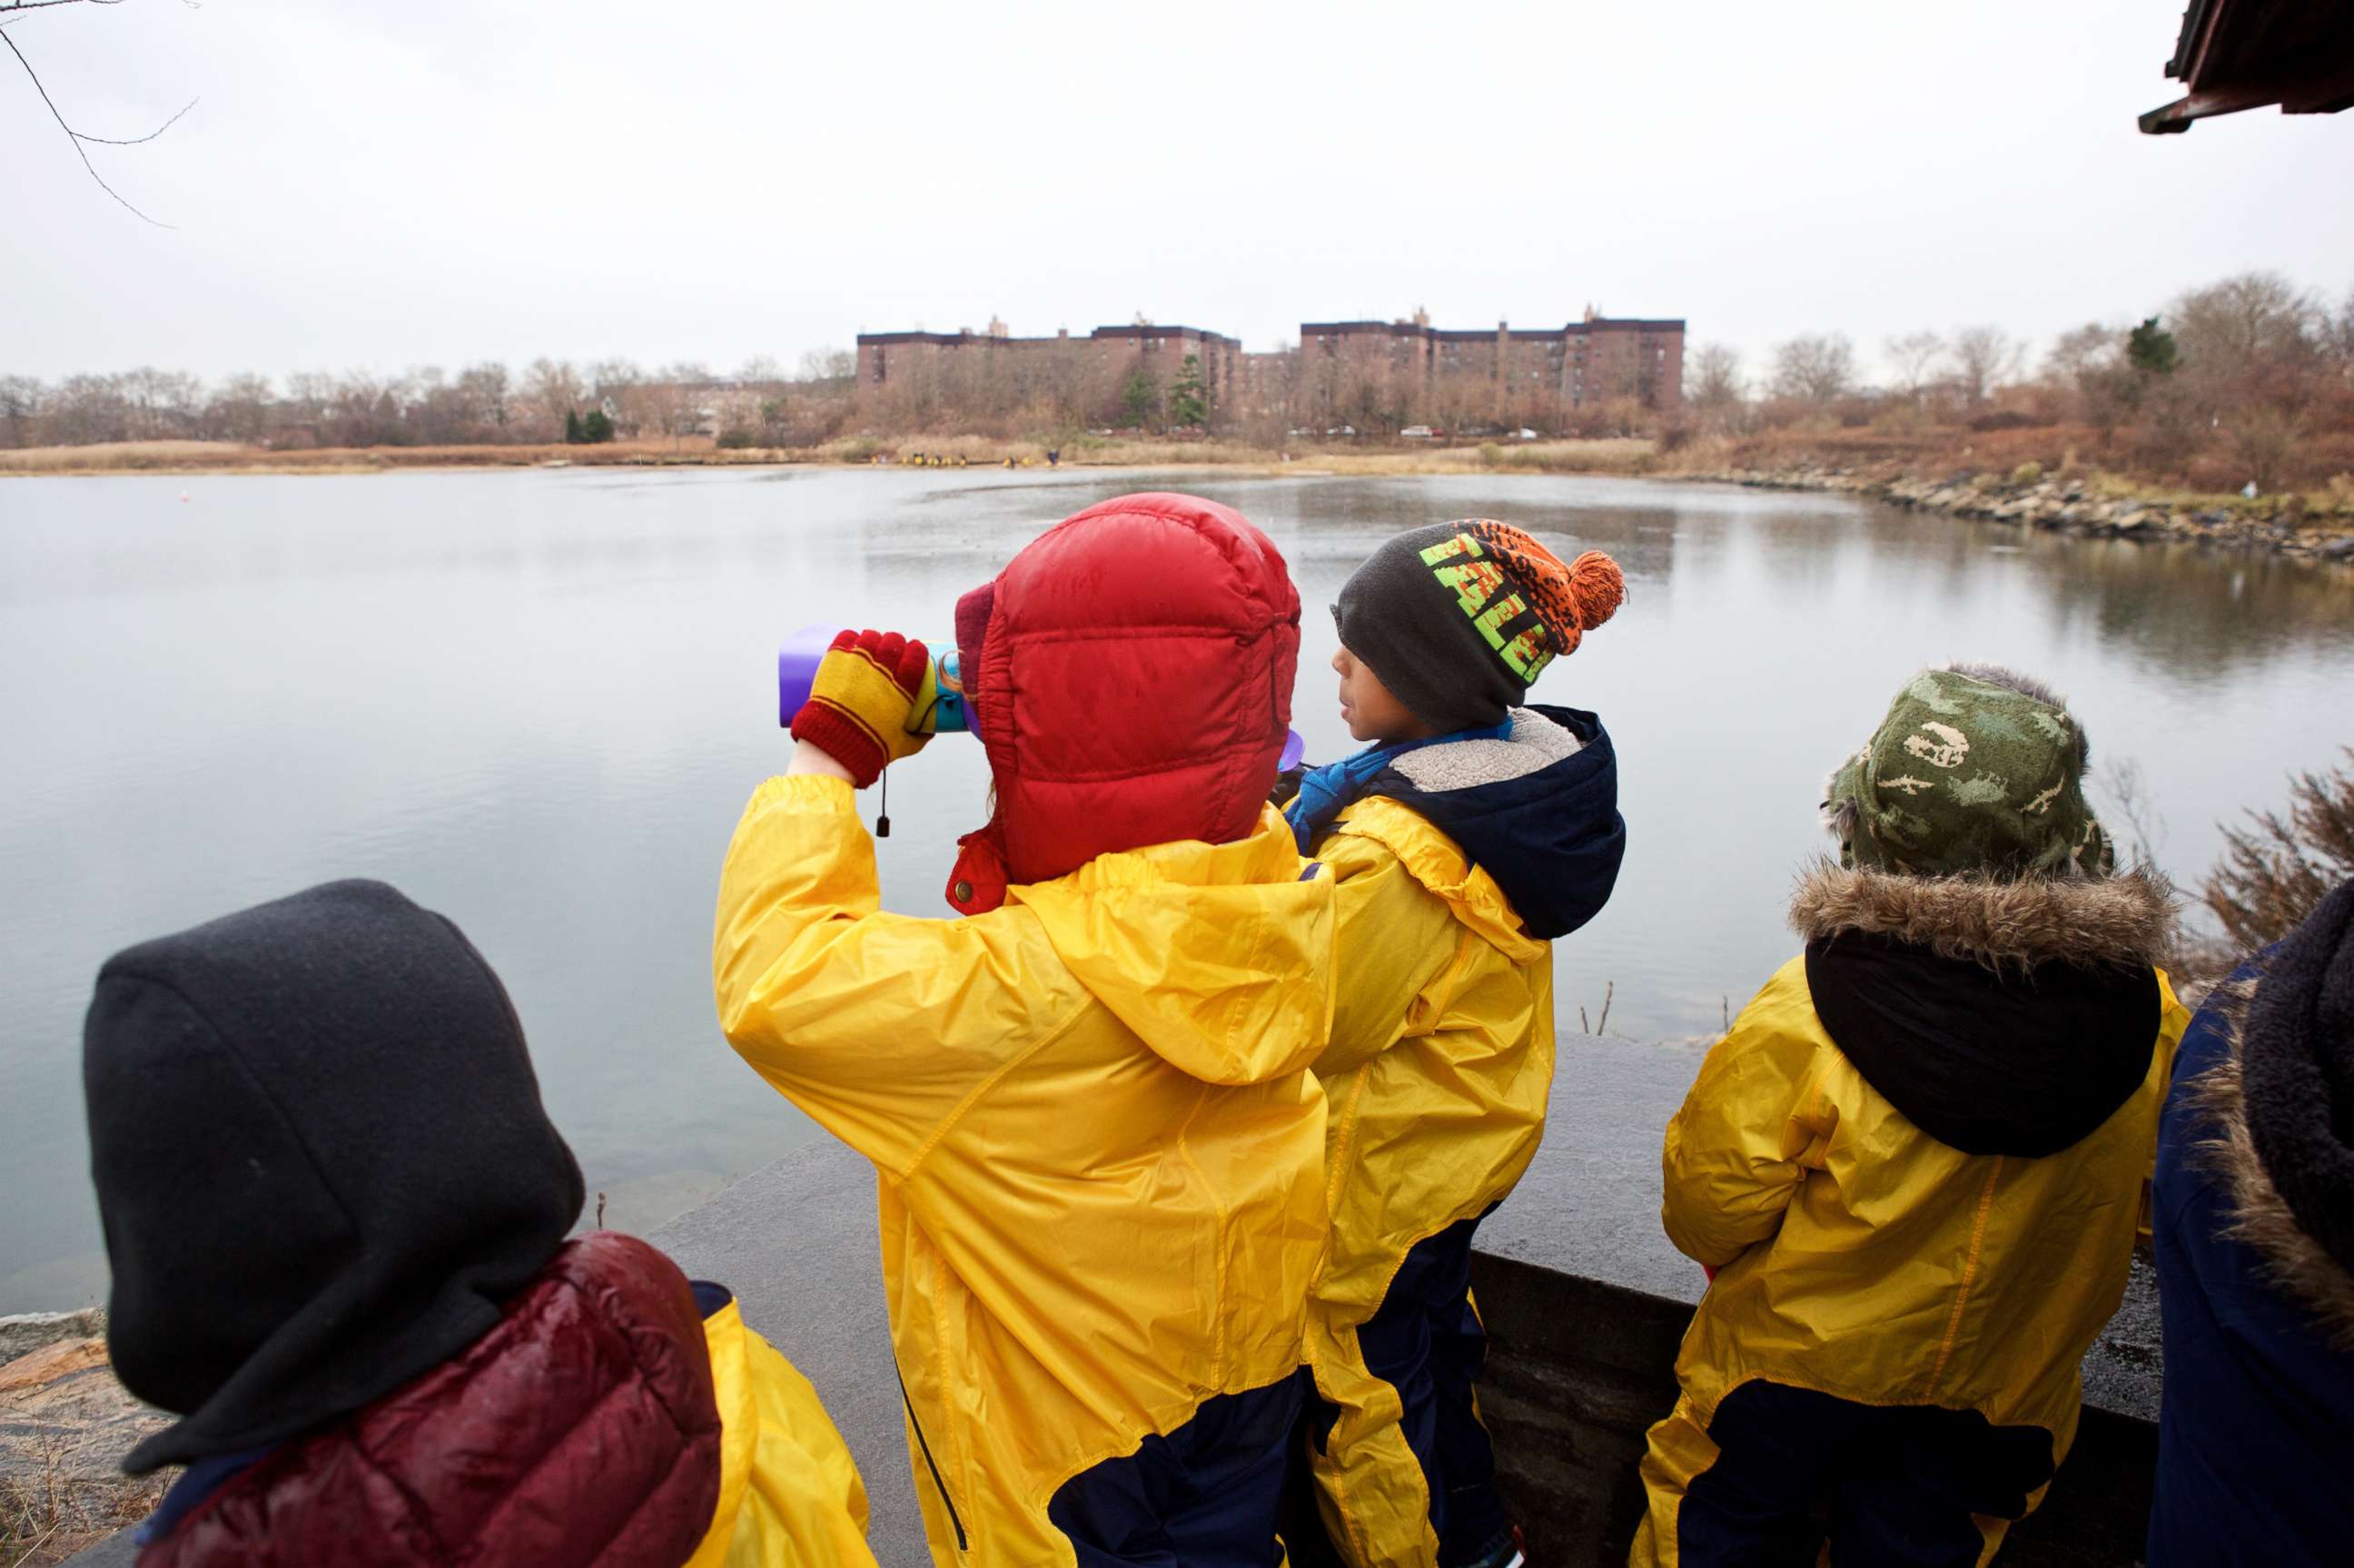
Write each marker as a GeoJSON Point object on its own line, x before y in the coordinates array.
{"type": "Point", "coordinates": [1130, 673]}
{"type": "Point", "coordinates": [581, 1429]}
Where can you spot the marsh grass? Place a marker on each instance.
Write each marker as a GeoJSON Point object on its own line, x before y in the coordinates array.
{"type": "Point", "coordinates": [2280, 865]}
{"type": "Point", "coordinates": [233, 457]}
{"type": "Point", "coordinates": [47, 1516]}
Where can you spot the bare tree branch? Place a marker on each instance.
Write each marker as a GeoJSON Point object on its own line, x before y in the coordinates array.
{"type": "Point", "coordinates": [136, 141]}
{"type": "Point", "coordinates": [21, 6]}
{"type": "Point", "coordinates": [79, 139]}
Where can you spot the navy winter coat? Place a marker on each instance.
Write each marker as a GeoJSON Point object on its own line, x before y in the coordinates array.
{"type": "Point", "coordinates": [2256, 1433]}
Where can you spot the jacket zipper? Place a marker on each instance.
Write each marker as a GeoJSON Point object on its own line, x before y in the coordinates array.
{"type": "Point", "coordinates": [930, 1464]}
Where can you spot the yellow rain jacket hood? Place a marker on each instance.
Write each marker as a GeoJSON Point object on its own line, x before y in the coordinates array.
{"type": "Point", "coordinates": [1438, 1072]}
{"type": "Point", "coordinates": [1917, 1165]}
{"type": "Point", "coordinates": [1098, 1151]}
{"type": "Point", "coordinates": [790, 1495]}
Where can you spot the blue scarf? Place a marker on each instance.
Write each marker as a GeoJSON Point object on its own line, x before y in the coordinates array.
{"type": "Point", "coordinates": [1325, 792]}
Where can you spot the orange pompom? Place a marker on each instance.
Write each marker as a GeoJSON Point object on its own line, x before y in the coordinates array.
{"type": "Point", "coordinates": [1597, 588]}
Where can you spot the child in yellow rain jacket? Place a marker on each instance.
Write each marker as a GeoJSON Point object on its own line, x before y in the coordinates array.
{"type": "Point", "coordinates": [337, 1210]}
{"type": "Point", "coordinates": [1468, 836]}
{"type": "Point", "coordinates": [1916, 1164]}
{"type": "Point", "coordinates": [1089, 1103]}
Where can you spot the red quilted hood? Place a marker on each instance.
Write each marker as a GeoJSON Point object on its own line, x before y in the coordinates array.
{"type": "Point", "coordinates": [581, 1429]}
{"type": "Point", "coordinates": [1130, 675]}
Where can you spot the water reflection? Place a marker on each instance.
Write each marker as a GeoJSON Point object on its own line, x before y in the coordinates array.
{"type": "Point", "coordinates": [538, 699]}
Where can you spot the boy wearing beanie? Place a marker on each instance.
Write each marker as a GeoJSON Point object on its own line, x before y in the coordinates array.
{"type": "Point", "coordinates": [335, 1212]}
{"type": "Point", "coordinates": [1470, 834]}
{"type": "Point", "coordinates": [1915, 1168]}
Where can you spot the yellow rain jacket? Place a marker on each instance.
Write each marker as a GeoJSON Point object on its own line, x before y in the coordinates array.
{"type": "Point", "coordinates": [1438, 1071]}
{"type": "Point", "coordinates": [790, 1495]}
{"type": "Point", "coordinates": [1862, 1258]}
{"type": "Point", "coordinates": [1097, 1144]}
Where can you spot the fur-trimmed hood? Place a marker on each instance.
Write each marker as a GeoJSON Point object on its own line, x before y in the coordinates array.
{"type": "Point", "coordinates": [2001, 1017]}
{"type": "Point", "coordinates": [2085, 921]}
{"type": "Point", "coordinates": [2294, 1261]}
{"type": "Point", "coordinates": [2259, 1310]}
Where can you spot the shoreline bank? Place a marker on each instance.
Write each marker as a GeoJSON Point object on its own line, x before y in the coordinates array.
{"type": "Point", "coordinates": [2079, 508]}
{"type": "Point", "coordinates": [2075, 503]}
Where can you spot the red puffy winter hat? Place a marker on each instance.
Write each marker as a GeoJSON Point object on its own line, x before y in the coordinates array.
{"type": "Point", "coordinates": [1129, 675]}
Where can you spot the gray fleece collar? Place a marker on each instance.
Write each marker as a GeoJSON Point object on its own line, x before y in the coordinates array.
{"type": "Point", "coordinates": [1535, 744]}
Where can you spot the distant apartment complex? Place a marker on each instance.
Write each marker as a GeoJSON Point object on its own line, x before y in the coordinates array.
{"type": "Point", "coordinates": [1484, 376]}
{"type": "Point", "coordinates": [1591, 362]}
{"type": "Point", "coordinates": [884, 356]}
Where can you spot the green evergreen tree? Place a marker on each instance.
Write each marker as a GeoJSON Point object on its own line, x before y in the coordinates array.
{"type": "Point", "coordinates": [571, 427]}
{"type": "Point", "coordinates": [1187, 405]}
{"type": "Point", "coordinates": [596, 427]}
{"type": "Point", "coordinates": [1140, 397]}
{"type": "Point", "coordinates": [2152, 348]}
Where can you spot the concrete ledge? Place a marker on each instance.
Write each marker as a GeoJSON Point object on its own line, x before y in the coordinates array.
{"type": "Point", "coordinates": [1585, 1298]}
{"type": "Point", "coordinates": [1577, 1370]}
{"type": "Point", "coordinates": [1586, 1302]}
{"type": "Point", "coordinates": [796, 1242]}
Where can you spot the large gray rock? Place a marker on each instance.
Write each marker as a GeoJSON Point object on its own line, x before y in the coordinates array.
{"type": "Point", "coordinates": [26, 1331]}
{"type": "Point", "coordinates": [65, 1424]}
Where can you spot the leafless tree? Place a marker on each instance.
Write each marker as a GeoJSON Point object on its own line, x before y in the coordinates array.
{"type": "Point", "coordinates": [608, 378]}
{"type": "Point", "coordinates": [671, 400]}
{"type": "Point", "coordinates": [1915, 357]}
{"type": "Point", "coordinates": [22, 402]}
{"type": "Point", "coordinates": [1817, 367]}
{"type": "Point", "coordinates": [828, 365]}
{"type": "Point", "coordinates": [1984, 358]}
{"type": "Point", "coordinates": [239, 409]}
{"type": "Point", "coordinates": [1714, 379]}
{"type": "Point", "coordinates": [305, 412]}
{"type": "Point", "coordinates": [2087, 366]}
{"type": "Point", "coordinates": [487, 394]}
{"type": "Point", "coordinates": [2255, 338]}
{"type": "Point", "coordinates": [2092, 349]}
{"type": "Point", "coordinates": [89, 408]}
{"type": "Point", "coordinates": [163, 403]}
{"type": "Point", "coordinates": [2338, 334]}
{"type": "Point", "coordinates": [2261, 438]}
{"type": "Point", "coordinates": [14, 11]}
{"type": "Point", "coordinates": [552, 388]}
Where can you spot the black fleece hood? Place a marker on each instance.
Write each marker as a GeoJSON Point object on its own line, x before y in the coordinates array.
{"type": "Point", "coordinates": [321, 1159]}
{"type": "Point", "coordinates": [1998, 1017]}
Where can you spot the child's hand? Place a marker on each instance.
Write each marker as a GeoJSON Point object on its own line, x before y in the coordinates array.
{"type": "Point", "coordinates": [871, 689]}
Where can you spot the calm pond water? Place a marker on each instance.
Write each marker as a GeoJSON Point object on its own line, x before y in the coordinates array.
{"type": "Point", "coordinates": [538, 699]}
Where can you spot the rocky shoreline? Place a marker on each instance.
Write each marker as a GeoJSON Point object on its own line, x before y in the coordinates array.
{"type": "Point", "coordinates": [65, 1424]}
{"type": "Point", "coordinates": [2079, 508]}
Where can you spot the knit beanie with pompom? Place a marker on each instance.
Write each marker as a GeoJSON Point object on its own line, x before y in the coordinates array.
{"type": "Point", "coordinates": [1458, 619]}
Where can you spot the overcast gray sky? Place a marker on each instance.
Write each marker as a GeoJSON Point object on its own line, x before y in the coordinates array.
{"type": "Point", "coordinates": [441, 181]}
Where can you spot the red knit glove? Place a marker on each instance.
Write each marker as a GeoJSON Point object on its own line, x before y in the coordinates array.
{"type": "Point", "coordinates": [872, 690]}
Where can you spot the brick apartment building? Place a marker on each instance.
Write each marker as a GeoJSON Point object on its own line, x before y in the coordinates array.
{"type": "Point", "coordinates": [1494, 375]}
{"type": "Point", "coordinates": [1162, 350]}
{"type": "Point", "coordinates": [1545, 373]}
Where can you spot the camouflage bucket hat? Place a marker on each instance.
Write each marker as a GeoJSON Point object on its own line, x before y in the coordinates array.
{"type": "Point", "coordinates": [1976, 771]}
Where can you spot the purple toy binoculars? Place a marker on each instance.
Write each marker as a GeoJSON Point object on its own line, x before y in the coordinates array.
{"type": "Point", "coordinates": [797, 659]}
